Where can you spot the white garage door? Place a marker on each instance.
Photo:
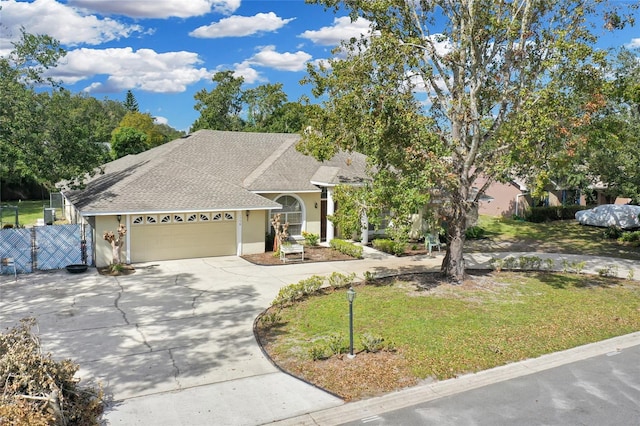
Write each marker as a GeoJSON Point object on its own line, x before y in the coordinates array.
{"type": "Point", "coordinates": [182, 236]}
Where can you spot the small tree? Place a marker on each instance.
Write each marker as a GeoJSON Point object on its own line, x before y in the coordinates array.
{"type": "Point", "coordinates": [116, 243]}
{"type": "Point", "coordinates": [280, 230]}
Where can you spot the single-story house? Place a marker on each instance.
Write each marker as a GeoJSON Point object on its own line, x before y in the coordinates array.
{"type": "Point", "coordinates": [211, 193]}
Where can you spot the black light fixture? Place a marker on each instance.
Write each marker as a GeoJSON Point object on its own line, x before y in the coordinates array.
{"type": "Point", "coordinates": [247, 213]}
{"type": "Point", "coordinates": [119, 217]}
{"type": "Point", "coordinates": [316, 205]}
{"type": "Point", "coordinates": [351, 295]}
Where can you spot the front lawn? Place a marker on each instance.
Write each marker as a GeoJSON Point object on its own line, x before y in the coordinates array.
{"type": "Point", "coordinates": [435, 330]}
{"type": "Point", "coordinates": [564, 236]}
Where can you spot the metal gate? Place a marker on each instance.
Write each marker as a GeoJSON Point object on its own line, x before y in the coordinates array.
{"type": "Point", "coordinates": [47, 247]}
{"type": "Point", "coordinates": [16, 243]}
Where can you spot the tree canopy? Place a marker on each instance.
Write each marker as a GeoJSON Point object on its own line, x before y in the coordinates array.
{"type": "Point", "coordinates": [48, 134]}
{"type": "Point", "coordinates": [442, 92]}
{"type": "Point", "coordinates": [263, 108]}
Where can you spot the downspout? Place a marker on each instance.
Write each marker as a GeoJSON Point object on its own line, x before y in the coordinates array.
{"type": "Point", "coordinates": [522, 194]}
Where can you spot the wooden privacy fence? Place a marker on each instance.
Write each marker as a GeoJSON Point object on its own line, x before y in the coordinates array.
{"type": "Point", "coordinates": [46, 247]}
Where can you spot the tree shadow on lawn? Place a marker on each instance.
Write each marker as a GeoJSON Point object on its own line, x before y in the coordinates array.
{"type": "Point", "coordinates": [563, 281]}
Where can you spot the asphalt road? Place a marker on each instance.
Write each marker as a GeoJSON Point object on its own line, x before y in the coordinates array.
{"type": "Point", "coordinates": [603, 390]}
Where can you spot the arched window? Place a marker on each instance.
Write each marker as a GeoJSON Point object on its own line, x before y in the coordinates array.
{"type": "Point", "coordinates": [291, 212]}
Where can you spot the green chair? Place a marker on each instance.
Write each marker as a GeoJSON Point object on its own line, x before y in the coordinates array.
{"type": "Point", "coordinates": [431, 241]}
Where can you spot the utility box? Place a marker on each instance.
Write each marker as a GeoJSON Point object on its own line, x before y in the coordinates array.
{"type": "Point", "coordinates": [49, 216]}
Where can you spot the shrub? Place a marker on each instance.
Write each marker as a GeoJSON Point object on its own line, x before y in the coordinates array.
{"type": "Point", "coordinates": [530, 262]}
{"type": "Point", "coordinates": [633, 238]}
{"type": "Point", "coordinates": [269, 319]}
{"type": "Point", "coordinates": [549, 264]}
{"type": "Point", "coordinates": [288, 294]}
{"type": "Point", "coordinates": [389, 246]}
{"type": "Point", "coordinates": [510, 262]}
{"type": "Point", "coordinates": [310, 239]}
{"type": "Point", "coordinates": [338, 280]}
{"type": "Point", "coordinates": [474, 233]}
{"type": "Point", "coordinates": [311, 284]}
{"type": "Point", "coordinates": [372, 343]}
{"type": "Point", "coordinates": [551, 213]}
{"type": "Point", "coordinates": [608, 271]}
{"type": "Point", "coordinates": [316, 352]}
{"type": "Point", "coordinates": [368, 276]}
{"type": "Point", "coordinates": [36, 390]}
{"type": "Point", "coordinates": [612, 232]}
{"type": "Point", "coordinates": [575, 267]}
{"type": "Point", "coordinates": [336, 344]}
{"type": "Point", "coordinates": [346, 247]}
{"type": "Point", "coordinates": [294, 292]}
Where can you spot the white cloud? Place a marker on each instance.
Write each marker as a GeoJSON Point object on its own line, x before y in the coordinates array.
{"type": "Point", "coordinates": [160, 120]}
{"type": "Point", "coordinates": [246, 71]}
{"type": "Point", "coordinates": [158, 8]}
{"type": "Point", "coordinates": [633, 44]}
{"type": "Point", "coordinates": [240, 26]}
{"type": "Point", "coordinates": [268, 57]}
{"type": "Point", "coordinates": [61, 22]}
{"type": "Point", "coordinates": [342, 29]}
{"type": "Point", "coordinates": [125, 68]}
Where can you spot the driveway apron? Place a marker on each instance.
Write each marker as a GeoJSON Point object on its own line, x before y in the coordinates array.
{"type": "Point", "coordinates": [172, 343]}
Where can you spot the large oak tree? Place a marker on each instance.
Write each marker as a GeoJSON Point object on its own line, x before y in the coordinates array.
{"type": "Point", "coordinates": [441, 92]}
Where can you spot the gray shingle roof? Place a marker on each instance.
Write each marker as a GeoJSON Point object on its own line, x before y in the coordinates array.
{"type": "Point", "coordinates": [209, 170]}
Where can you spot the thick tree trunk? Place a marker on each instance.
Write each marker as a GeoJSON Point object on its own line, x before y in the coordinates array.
{"type": "Point", "coordinates": [453, 266]}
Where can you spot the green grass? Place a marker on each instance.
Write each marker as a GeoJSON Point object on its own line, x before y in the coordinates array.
{"type": "Point", "coordinates": [451, 330]}
{"type": "Point", "coordinates": [566, 236]}
{"type": "Point", "coordinates": [28, 212]}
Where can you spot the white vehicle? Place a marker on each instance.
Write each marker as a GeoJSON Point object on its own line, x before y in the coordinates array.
{"type": "Point", "coordinates": [624, 216]}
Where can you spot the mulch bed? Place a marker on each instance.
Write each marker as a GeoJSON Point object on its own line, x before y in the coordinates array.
{"type": "Point", "coordinates": [126, 270]}
{"type": "Point", "coordinates": [311, 255]}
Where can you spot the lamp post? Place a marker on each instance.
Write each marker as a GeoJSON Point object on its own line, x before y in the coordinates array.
{"type": "Point", "coordinates": [351, 295]}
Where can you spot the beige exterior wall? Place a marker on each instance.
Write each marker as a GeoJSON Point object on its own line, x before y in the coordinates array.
{"type": "Point", "coordinates": [312, 213]}
{"type": "Point", "coordinates": [102, 248]}
{"type": "Point", "coordinates": [253, 232]}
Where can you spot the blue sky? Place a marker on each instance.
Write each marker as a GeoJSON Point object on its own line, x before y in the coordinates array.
{"type": "Point", "coordinates": [164, 51]}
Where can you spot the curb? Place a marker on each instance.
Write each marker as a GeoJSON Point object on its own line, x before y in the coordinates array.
{"type": "Point", "coordinates": [424, 393]}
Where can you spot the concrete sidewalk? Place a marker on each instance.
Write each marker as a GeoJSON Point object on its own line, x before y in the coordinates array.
{"type": "Point", "coordinates": [173, 343]}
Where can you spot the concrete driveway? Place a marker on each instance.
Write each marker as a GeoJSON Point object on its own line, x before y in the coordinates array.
{"type": "Point", "coordinates": [173, 343]}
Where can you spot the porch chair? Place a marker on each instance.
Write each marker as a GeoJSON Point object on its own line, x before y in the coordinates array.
{"type": "Point", "coordinates": [431, 241]}
{"type": "Point", "coordinates": [9, 262]}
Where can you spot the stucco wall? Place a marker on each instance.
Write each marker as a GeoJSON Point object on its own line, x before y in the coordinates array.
{"type": "Point", "coordinates": [504, 199]}
{"type": "Point", "coordinates": [312, 213]}
{"type": "Point", "coordinates": [254, 231]}
{"type": "Point", "coordinates": [103, 254]}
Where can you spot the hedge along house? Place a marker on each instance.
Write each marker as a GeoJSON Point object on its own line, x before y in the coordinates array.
{"type": "Point", "coordinates": [211, 193]}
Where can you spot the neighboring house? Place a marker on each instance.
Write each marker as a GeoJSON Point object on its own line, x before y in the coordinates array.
{"type": "Point", "coordinates": [503, 199]}
{"type": "Point", "coordinates": [513, 198]}
{"type": "Point", "coordinates": [211, 193]}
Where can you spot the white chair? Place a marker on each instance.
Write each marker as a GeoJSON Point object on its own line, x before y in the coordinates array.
{"type": "Point", "coordinates": [9, 262]}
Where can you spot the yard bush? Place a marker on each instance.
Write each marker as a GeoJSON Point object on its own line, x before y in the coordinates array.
{"type": "Point", "coordinates": [474, 233]}
{"type": "Point", "coordinates": [630, 237]}
{"type": "Point", "coordinates": [346, 247]}
{"type": "Point", "coordinates": [338, 280]}
{"type": "Point", "coordinates": [613, 232]}
{"type": "Point", "coordinates": [37, 390]}
{"type": "Point", "coordinates": [548, 214]}
{"type": "Point", "coordinates": [293, 292]}
{"type": "Point", "coordinates": [389, 246]}
{"type": "Point", "coordinates": [310, 238]}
